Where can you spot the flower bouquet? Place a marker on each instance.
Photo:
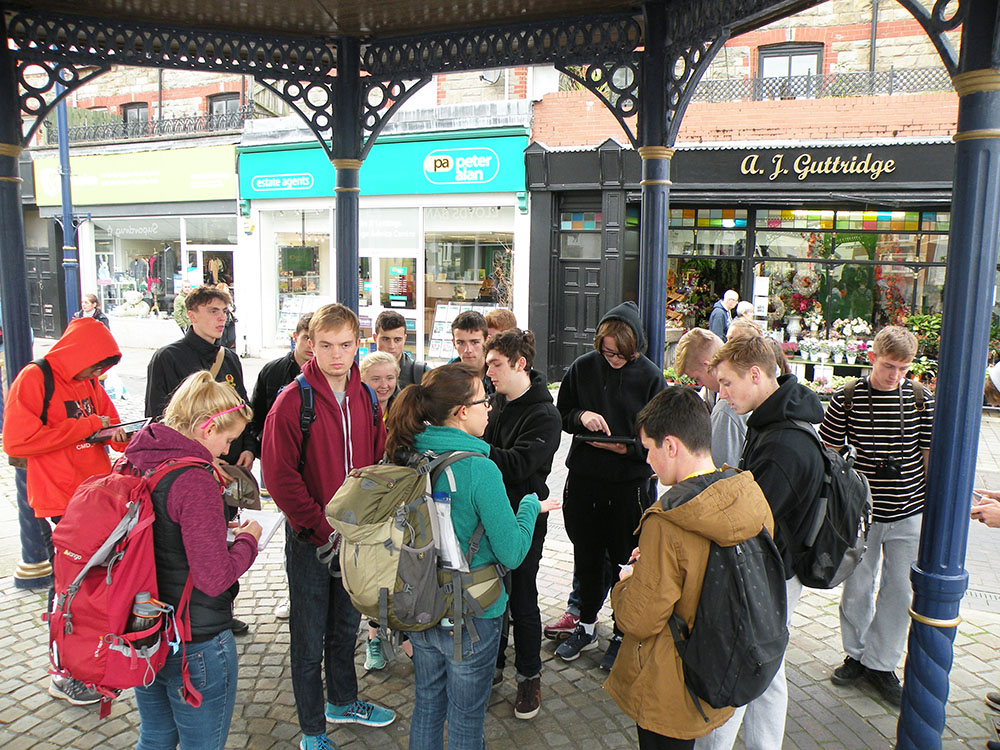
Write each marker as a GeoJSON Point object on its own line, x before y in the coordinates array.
{"type": "Point", "coordinates": [814, 316]}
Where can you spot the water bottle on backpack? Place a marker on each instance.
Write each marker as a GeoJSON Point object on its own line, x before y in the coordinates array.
{"type": "Point", "coordinates": [145, 614]}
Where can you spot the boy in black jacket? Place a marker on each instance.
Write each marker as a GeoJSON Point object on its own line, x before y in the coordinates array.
{"type": "Point", "coordinates": [523, 430]}
{"type": "Point", "coordinates": [789, 470]}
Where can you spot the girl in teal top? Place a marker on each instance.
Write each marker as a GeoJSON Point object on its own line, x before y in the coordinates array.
{"type": "Point", "coordinates": [448, 411]}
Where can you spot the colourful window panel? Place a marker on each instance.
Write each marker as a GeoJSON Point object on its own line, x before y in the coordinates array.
{"type": "Point", "coordinates": [774, 218]}
{"type": "Point", "coordinates": [682, 217]}
{"type": "Point", "coordinates": [580, 221]}
{"type": "Point", "coordinates": [936, 221]}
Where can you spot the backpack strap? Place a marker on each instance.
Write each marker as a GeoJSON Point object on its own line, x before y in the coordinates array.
{"type": "Point", "coordinates": [849, 388]}
{"type": "Point", "coordinates": [48, 386]}
{"type": "Point", "coordinates": [374, 399]}
{"type": "Point", "coordinates": [307, 415]}
{"type": "Point", "coordinates": [919, 394]}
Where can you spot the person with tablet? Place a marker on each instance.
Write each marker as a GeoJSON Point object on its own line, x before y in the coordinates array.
{"type": "Point", "coordinates": [608, 485]}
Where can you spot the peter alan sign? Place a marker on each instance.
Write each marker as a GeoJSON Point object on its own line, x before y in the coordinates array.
{"type": "Point", "coordinates": [781, 166]}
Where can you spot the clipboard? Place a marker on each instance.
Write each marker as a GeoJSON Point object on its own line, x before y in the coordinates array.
{"type": "Point", "coordinates": [269, 521]}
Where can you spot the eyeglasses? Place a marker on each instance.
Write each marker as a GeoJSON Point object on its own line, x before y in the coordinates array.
{"type": "Point", "coordinates": [612, 355]}
{"type": "Point", "coordinates": [207, 422]}
{"type": "Point", "coordinates": [488, 401]}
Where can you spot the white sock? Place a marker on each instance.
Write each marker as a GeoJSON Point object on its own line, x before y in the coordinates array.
{"type": "Point", "coordinates": [588, 627]}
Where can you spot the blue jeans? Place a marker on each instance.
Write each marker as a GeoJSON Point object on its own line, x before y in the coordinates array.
{"type": "Point", "coordinates": [165, 719]}
{"type": "Point", "coordinates": [456, 690]}
{"type": "Point", "coordinates": [323, 628]}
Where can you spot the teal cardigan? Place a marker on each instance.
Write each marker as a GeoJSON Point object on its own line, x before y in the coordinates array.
{"type": "Point", "coordinates": [480, 496]}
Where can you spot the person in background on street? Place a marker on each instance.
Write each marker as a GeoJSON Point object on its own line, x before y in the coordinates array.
{"type": "Point", "coordinates": [722, 314]}
{"type": "Point", "coordinates": [991, 392]}
{"type": "Point", "coordinates": [303, 476]}
{"type": "Point", "coordinates": [703, 505]}
{"type": "Point", "coordinates": [91, 308]}
{"type": "Point", "coordinates": [487, 292]}
{"type": "Point", "coordinates": [180, 308]}
{"type": "Point", "coordinates": [986, 510]}
{"type": "Point", "coordinates": [889, 425]}
{"type": "Point", "coordinates": [199, 349]}
{"type": "Point", "coordinates": [390, 337]}
{"type": "Point", "coordinates": [449, 411]}
{"type": "Point", "coordinates": [744, 309]}
{"type": "Point", "coordinates": [469, 332]}
{"type": "Point", "coordinates": [608, 484]}
{"type": "Point", "coordinates": [228, 338]}
{"type": "Point", "coordinates": [789, 469]}
{"type": "Point", "coordinates": [498, 320]}
{"type": "Point", "coordinates": [52, 437]}
{"type": "Point", "coordinates": [523, 433]}
{"type": "Point", "coordinates": [729, 429]}
{"type": "Point", "coordinates": [274, 376]}
{"type": "Point", "coordinates": [189, 536]}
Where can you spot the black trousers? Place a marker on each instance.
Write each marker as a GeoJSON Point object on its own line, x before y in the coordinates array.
{"type": "Point", "coordinates": [653, 741]}
{"type": "Point", "coordinates": [601, 517]}
{"type": "Point", "coordinates": [522, 608]}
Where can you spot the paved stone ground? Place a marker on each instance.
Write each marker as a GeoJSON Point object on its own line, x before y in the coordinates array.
{"type": "Point", "coordinates": [576, 713]}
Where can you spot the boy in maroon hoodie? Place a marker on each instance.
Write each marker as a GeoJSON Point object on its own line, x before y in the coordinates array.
{"type": "Point", "coordinates": [347, 432]}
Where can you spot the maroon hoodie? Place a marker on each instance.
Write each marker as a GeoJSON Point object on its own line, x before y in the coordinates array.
{"type": "Point", "coordinates": [195, 503]}
{"type": "Point", "coordinates": [340, 439]}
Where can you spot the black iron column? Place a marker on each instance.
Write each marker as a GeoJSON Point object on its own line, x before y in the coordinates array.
{"type": "Point", "coordinates": [347, 163]}
{"type": "Point", "coordinates": [655, 182]}
{"type": "Point", "coordinates": [34, 569]}
{"type": "Point", "coordinates": [939, 578]}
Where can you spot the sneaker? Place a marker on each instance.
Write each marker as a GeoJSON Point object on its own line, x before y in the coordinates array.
{"type": "Point", "coordinates": [316, 742]}
{"type": "Point", "coordinates": [373, 654]}
{"type": "Point", "coordinates": [529, 698]}
{"type": "Point", "coordinates": [239, 627]}
{"type": "Point", "coordinates": [612, 653]}
{"type": "Point", "coordinates": [284, 610]}
{"type": "Point", "coordinates": [887, 685]}
{"type": "Point", "coordinates": [849, 672]}
{"type": "Point", "coordinates": [993, 745]}
{"type": "Point", "coordinates": [360, 712]}
{"type": "Point", "coordinates": [993, 700]}
{"type": "Point", "coordinates": [497, 677]}
{"type": "Point", "coordinates": [72, 691]}
{"type": "Point", "coordinates": [562, 628]}
{"type": "Point", "coordinates": [570, 648]}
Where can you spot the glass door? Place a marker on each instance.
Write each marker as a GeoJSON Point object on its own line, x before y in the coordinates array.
{"type": "Point", "coordinates": [387, 280]}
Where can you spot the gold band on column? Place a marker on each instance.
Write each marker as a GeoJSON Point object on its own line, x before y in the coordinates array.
{"type": "Point", "coordinates": [11, 179]}
{"type": "Point", "coordinates": [347, 163]}
{"type": "Point", "coordinates": [931, 622]}
{"type": "Point", "coordinates": [10, 149]}
{"type": "Point", "coordinates": [655, 182]}
{"type": "Point", "coordinates": [976, 135]}
{"type": "Point", "coordinates": [976, 81]}
{"type": "Point", "coordinates": [655, 152]}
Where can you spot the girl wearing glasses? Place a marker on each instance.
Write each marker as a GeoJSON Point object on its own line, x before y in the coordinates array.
{"type": "Point", "coordinates": [448, 411]}
{"type": "Point", "coordinates": [189, 536]}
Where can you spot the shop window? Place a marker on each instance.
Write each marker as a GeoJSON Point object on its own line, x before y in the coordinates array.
{"type": "Point", "coordinates": [781, 218]}
{"type": "Point", "coordinates": [780, 62]}
{"type": "Point", "coordinates": [302, 243]}
{"type": "Point", "coordinates": [135, 118]}
{"type": "Point", "coordinates": [706, 242]}
{"type": "Point", "coordinates": [210, 230]}
{"type": "Point", "coordinates": [398, 283]}
{"type": "Point", "coordinates": [695, 284]}
{"type": "Point", "coordinates": [880, 221]}
{"type": "Point", "coordinates": [789, 244]}
{"type": "Point", "coordinates": [935, 221]}
{"type": "Point", "coordinates": [142, 255]}
{"type": "Point", "coordinates": [708, 217]}
{"type": "Point", "coordinates": [223, 104]}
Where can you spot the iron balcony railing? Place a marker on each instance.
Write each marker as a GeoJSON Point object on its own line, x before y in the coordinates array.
{"type": "Point", "coordinates": [863, 83]}
{"type": "Point", "coordinates": [124, 131]}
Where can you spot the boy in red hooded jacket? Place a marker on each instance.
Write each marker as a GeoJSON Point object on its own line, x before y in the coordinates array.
{"type": "Point", "coordinates": [57, 453]}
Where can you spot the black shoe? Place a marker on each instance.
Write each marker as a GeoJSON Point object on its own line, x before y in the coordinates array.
{"type": "Point", "coordinates": [887, 685]}
{"type": "Point", "coordinates": [849, 672]}
{"type": "Point", "coordinates": [611, 654]}
{"type": "Point", "coordinates": [993, 745]}
{"type": "Point", "coordinates": [238, 627]}
{"type": "Point", "coordinates": [993, 701]}
{"type": "Point", "coordinates": [497, 676]}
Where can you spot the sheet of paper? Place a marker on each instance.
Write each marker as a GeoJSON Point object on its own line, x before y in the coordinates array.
{"type": "Point", "coordinates": [270, 521]}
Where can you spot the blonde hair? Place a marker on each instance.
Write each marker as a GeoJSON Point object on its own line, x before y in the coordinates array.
{"type": "Point", "coordinates": [332, 318]}
{"type": "Point", "coordinates": [742, 328]}
{"type": "Point", "coordinates": [199, 398]}
{"type": "Point", "coordinates": [377, 358]}
{"type": "Point", "coordinates": [744, 353]}
{"type": "Point", "coordinates": [694, 347]}
{"type": "Point", "coordinates": [896, 343]}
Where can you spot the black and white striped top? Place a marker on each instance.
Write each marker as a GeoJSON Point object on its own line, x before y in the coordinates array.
{"type": "Point", "coordinates": [873, 428]}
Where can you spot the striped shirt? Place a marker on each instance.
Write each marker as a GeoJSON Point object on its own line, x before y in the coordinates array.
{"type": "Point", "coordinates": [873, 428]}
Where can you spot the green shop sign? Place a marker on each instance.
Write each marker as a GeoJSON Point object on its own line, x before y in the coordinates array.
{"type": "Point", "coordinates": [399, 166]}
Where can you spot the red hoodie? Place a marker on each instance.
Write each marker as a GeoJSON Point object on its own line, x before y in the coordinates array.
{"type": "Point", "coordinates": [329, 456]}
{"type": "Point", "coordinates": [58, 457]}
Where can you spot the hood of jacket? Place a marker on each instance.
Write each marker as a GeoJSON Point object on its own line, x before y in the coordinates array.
{"type": "Point", "coordinates": [720, 305]}
{"type": "Point", "coordinates": [157, 443]}
{"type": "Point", "coordinates": [628, 312]}
{"type": "Point", "coordinates": [84, 343]}
{"type": "Point", "coordinates": [792, 400]}
{"type": "Point", "coordinates": [440, 439]}
{"type": "Point", "coordinates": [725, 506]}
{"type": "Point", "coordinates": [537, 393]}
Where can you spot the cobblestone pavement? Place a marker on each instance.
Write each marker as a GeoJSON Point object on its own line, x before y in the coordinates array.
{"type": "Point", "coordinates": [576, 712]}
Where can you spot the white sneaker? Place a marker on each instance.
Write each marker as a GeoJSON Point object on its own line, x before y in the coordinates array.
{"type": "Point", "coordinates": [73, 691]}
{"type": "Point", "coordinates": [283, 610]}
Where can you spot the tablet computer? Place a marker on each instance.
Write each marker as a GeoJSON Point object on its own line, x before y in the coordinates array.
{"type": "Point", "coordinates": [106, 433]}
{"type": "Point", "coordinates": [600, 437]}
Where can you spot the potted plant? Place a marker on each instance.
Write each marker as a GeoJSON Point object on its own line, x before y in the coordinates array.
{"type": "Point", "coordinates": [851, 351]}
{"type": "Point", "coordinates": [814, 318]}
{"type": "Point", "coordinates": [838, 347]}
{"type": "Point", "coordinates": [808, 347]}
{"type": "Point", "coordinates": [824, 349]}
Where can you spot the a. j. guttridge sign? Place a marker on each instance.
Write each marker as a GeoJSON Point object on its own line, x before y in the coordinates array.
{"type": "Point", "coordinates": [780, 165]}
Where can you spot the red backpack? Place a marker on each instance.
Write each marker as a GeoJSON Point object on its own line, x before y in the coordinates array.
{"type": "Point", "coordinates": [103, 558]}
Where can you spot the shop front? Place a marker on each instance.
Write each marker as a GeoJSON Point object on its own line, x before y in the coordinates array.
{"type": "Point", "coordinates": [441, 218]}
{"type": "Point", "coordinates": [819, 237]}
{"type": "Point", "coordinates": [154, 219]}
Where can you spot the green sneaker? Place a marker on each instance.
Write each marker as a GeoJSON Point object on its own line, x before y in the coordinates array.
{"type": "Point", "coordinates": [360, 712]}
{"type": "Point", "coordinates": [373, 654]}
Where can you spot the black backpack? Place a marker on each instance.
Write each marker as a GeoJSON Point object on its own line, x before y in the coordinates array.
{"type": "Point", "coordinates": [837, 535]}
{"type": "Point", "coordinates": [739, 635]}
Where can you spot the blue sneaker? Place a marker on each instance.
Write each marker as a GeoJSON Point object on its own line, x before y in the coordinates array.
{"type": "Point", "coordinates": [316, 742]}
{"type": "Point", "coordinates": [570, 648]}
{"type": "Point", "coordinates": [360, 712]}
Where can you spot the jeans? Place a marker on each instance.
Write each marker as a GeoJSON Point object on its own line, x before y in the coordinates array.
{"type": "Point", "coordinates": [765, 714]}
{"type": "Point", "coordinates": [165, 718]}
{"type": "Point", "coordinates": [653, 741]}
{"type": "Point", "coordinates": [523, 608]}
{"type": "Point", "coordinates": [874, 631]}
{"type": "Point", "coordinates": [456, 690]}
{"type": "Point", "coordinates": [323, 628]}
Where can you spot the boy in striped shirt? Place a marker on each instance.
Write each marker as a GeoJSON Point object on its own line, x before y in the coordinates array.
{"type": "Point", "coordinates": [888, 420]}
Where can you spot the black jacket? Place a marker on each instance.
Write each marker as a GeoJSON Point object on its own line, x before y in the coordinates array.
{"type": "Point", "coordinates": [410, 371]}
{"type": "Point", "coordinates": [591, 384]}
{"type": "Point", "coordinates": [98, 316]}
{"type": "Point", "coordinates": [174, 362]}
{"type": "Point", "coordinates": [788, 466]}
{"type": "Point", "coordinates": [524, 435]}
{"type": "Point", "coordinates": [273, 376]}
